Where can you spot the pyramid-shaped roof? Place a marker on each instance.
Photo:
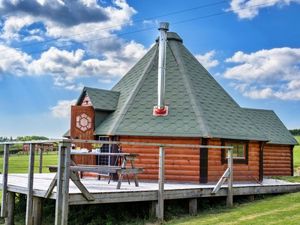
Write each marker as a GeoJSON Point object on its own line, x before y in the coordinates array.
{"type": "Point", "coordinates": [198, 105]}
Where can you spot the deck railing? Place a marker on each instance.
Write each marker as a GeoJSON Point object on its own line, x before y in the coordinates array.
{"type": "Point", "coordinates": [63, 175]}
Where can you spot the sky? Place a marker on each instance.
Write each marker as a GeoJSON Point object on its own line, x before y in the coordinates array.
{"type": "Point", "coordinates": [51, 49]}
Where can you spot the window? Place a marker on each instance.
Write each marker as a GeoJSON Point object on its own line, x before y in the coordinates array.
{"type": "Point", "coordinates": [239, 152]}
{"type": "Point", "coordinates": [105, 148]}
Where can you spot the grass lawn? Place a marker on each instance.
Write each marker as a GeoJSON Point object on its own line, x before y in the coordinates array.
{"type": "Point", "coordinates": [297, 153]}
{"type": "Point", "coordinates": [18, 163]}
{"type": "Point", "coordinates": [283, 209]}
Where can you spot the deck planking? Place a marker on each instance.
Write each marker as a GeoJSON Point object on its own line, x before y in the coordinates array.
{"type": "Point", "coordinates": [107, 193]}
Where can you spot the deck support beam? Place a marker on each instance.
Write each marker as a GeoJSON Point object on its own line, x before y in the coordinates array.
{"type": "Point", "coordinates": [29, 202]}
{"type": "Point", "coordinates": [161, 182]}
{"type": "Point", "coordinates": [4, 181]}
{"type": "Point", "coordinates": [153, 209]}
{"type": "Point", "coordinates": [229, 201]}
{"type": "Point", "coordinates": [251, 198]}
{"type": "Point", "coordinates": [9, 220]}
{"type": "Point", "coordinates": [63, 179]}
{"type": "Point", "coordinates": [37, 210]}
{"type": "Point", "coordinates": [58, 205]}
{"type": "Point", "coordinates": [193, 206]}
{"type": "Point", "coordinates": [66, 183]}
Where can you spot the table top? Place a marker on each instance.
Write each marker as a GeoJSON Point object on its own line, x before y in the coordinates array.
{"type": "Point", "coordinates": [76, 152]}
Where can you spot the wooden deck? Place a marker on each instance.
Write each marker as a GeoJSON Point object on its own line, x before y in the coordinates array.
{"type": "Point", "coordinates": [107, 193]}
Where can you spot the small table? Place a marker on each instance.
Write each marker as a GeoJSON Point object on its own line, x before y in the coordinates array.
{"type": "Point", "coordinates": [120, 170]}
{"type": "Point", "coordinates": [119, 167]}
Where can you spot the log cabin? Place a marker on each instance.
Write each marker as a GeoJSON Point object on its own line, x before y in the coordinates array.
{"type": "Point", "coordinates": [169, 97]}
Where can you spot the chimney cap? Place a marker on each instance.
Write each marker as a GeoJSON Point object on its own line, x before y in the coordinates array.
{"type": "Point", "coordinates": [163, 26]}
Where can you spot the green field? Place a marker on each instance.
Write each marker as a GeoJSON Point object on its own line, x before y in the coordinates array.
{"type": "Point", "coordinates": [18, 163]}
{"type": "Point", "coordinates": [282, 209]}
{"type": "Point", "coordinates": [297, 154]}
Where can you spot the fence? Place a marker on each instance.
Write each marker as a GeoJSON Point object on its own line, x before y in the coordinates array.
{"type": "Point", "coordinates": [63, 174]}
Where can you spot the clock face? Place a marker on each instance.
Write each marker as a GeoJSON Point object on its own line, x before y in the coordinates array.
{"type": "Point", "coordinates": [83, 122]}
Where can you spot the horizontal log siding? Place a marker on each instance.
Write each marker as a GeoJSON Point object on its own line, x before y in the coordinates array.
{"type": "Point", "coordinates": [241, 172]}
{"type": "Point", "coordinates": [181, 164]}
{"type": "Point", "coordinates": [277, 160]}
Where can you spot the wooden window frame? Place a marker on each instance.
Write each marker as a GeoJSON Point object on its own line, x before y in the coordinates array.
{"type": "Point", "coordinates": [235, 160]}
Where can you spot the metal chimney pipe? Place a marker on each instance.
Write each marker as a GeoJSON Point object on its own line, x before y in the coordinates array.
{"type": "Point", "coordinates": [161, 109]}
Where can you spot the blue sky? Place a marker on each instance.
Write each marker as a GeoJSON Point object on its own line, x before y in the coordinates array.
{"type": "Point", "coordinates": [51, 49]}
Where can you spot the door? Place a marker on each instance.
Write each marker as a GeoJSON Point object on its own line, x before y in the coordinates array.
{"type": "Point", "coordinates": [204, 162]}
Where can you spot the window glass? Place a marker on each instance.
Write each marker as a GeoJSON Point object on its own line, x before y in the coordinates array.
{"type": "Point", "coordinates": [238, 151]}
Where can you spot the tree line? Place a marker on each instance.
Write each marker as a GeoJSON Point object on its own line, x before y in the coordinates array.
{"type": "Point", "coordinates": [23, 138]}
{"type": "Point", "coordinates": [18, 147]}
{"type": "Point", "coordinates": [295, 132]}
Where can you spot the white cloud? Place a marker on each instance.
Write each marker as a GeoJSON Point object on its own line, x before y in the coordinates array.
{"type": "Point", "coordinates": [13, 61]}
{"type": "Point", "coordinates": [207, 59]}
{"type": "Point", "coordinates": [85, 27]}
{"type": "Point", "coordinates": [63, 108]}
{"type": "Point", "coordinates": [248, 9]}
{"type": "Point", "coordinates": [67, 66]}
{"type": "Point", "coordinates": [12, 26]}
{"type": "Point", "coordinates": [102, 53]}
{"type": "Point", "coordinates": [259, 94]}
{"type": "Point", "coordinates": [273, 73]}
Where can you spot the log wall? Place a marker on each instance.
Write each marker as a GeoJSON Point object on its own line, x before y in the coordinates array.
{"type": "Point", "coordinates": [181, 164]}
{"type": "Point", "coordinates": [278, 160]}
{"type": "Point", "coordinates": [241, 171]}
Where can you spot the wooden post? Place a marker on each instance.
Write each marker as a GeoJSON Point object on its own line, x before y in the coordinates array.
{"type": "Point", "coordinates": [229, 201]}
{"type": "Point", "coordinates": [9, 220]}
{"type": "Point", "coordinates": [59, 191]}
{"type": "Point", "coordinates": [161, 181]}
{"type": "Point", "coordinates": [37, 210]}
{"type": "Point", "coordinates": [29, 202]}
{"type": "Point", "coordinates": [251, 198]}
{"type": "Point", "coordinates": [153, 209]}
{"type": "Point", "coordinates": [4, 181]}
{"type": "Point", "coordinates": [193, 206]}
{"type": "Point", "coordinates": [41, 150]}
{"type": "Point", "coordinates": [66, 180]}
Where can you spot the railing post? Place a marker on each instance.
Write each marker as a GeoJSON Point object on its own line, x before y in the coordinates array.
{"type": "Point", "coordinates": [29, 202]}
{"type": "Point", "coordinates": [59, 200]}
{"type": "Point", "coordinates": [37, 210]}
{"type": "Point", "coordinates": [66, 182]}
{"type": "Point", "coordinates": [229, 201]}
{"type": "Point", "coordinates": [41, 150]}
{"type": "Point", "coordinates": [62, 193]}
{"type": "Point", "coordinates": [9, 220]}
{"type": "Point", "coordinates": [4, 181]}
{"type": "Point", "coordinates": [161, 181]}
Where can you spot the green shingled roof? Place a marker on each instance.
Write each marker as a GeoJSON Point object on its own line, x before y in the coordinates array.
{"type": "Point", "coordinates": [198, 105]}
{"type": "Point", "coordinates": [104, 100]}
{"type": "Point", "coordinates": [269, 123]}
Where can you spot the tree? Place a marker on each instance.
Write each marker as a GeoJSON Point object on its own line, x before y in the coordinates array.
{"type": "Point", "coordinates": [31, 138]}
{"type": "Point", "coordinates": [295, 132]}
